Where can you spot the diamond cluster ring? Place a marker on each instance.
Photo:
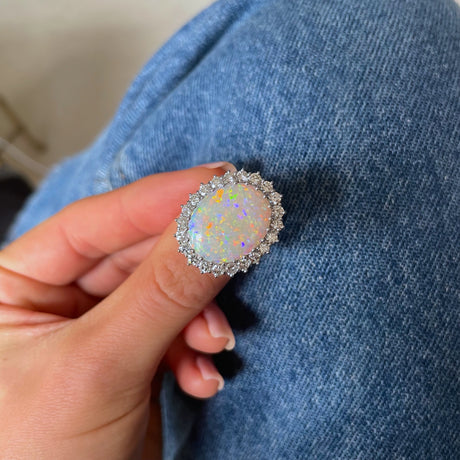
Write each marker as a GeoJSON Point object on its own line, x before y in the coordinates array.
{"type": "Point", "coordinates": [229, 223]}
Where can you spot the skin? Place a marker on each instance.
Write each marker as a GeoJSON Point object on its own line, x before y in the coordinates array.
{"type": "Point", "coordinates": [94, 303]}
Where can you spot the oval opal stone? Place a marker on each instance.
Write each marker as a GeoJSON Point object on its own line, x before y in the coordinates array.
{"type": "Point", "coordinates": [229, 223]}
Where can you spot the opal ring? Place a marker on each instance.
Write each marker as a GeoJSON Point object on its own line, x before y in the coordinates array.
{"type": "Point", "coordinates": [229, 223]}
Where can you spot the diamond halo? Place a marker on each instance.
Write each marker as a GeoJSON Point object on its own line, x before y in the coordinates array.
{"type": "Point", "coordinates": [244, 262]}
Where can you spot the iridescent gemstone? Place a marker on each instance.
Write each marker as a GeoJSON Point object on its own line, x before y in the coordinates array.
{"type": "Point", "coordinates": [229, 223]}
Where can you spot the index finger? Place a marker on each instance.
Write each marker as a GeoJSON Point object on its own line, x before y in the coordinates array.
{"type": "Point", "coordinates": [67, 245]}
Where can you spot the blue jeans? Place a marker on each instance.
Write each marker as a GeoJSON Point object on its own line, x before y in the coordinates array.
{"type": "Point", "coordinates": [348, 332]}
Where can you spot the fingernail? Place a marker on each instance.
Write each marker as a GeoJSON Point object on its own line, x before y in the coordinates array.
{"type": "Point", "coordinates": [220, 164]}
{"type": "Point", "coordinates": [209, 371]}
{"type": "Point", "coordinates": [218, 326]}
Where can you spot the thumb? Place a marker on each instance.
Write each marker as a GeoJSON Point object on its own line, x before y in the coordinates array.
{"type": "Point", "coordinates": [131, 329]}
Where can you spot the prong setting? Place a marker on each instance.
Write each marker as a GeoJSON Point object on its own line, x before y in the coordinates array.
{"type": "Point", "coordinates": [243, 263]}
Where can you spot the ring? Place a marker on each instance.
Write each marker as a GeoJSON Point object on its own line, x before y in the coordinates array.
{"type": "Point", "coordinates": [229, 223]}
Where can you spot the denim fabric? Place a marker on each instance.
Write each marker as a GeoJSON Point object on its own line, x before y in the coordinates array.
{"type": "Point", "coordinates": [348, 332]}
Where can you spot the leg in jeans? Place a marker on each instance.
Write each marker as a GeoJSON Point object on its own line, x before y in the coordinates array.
{"type": "Point", "coordinates": [348, 332]}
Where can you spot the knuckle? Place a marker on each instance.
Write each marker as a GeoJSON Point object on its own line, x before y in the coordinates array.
{"type": "Point", "coordinates": [179, 287]}
{"type": "Point", "coordinates": [124, 262]}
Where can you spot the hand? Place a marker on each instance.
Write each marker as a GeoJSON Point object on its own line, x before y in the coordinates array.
{"type": "Point", "coordinates": [91, 301]}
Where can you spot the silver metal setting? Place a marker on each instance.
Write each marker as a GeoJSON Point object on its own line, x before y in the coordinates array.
{"type": "Point", "coordinates": [244, 262]}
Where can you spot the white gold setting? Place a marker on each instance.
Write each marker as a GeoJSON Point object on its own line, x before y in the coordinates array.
{"type": "Point", "coordinates": [243, 263]}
